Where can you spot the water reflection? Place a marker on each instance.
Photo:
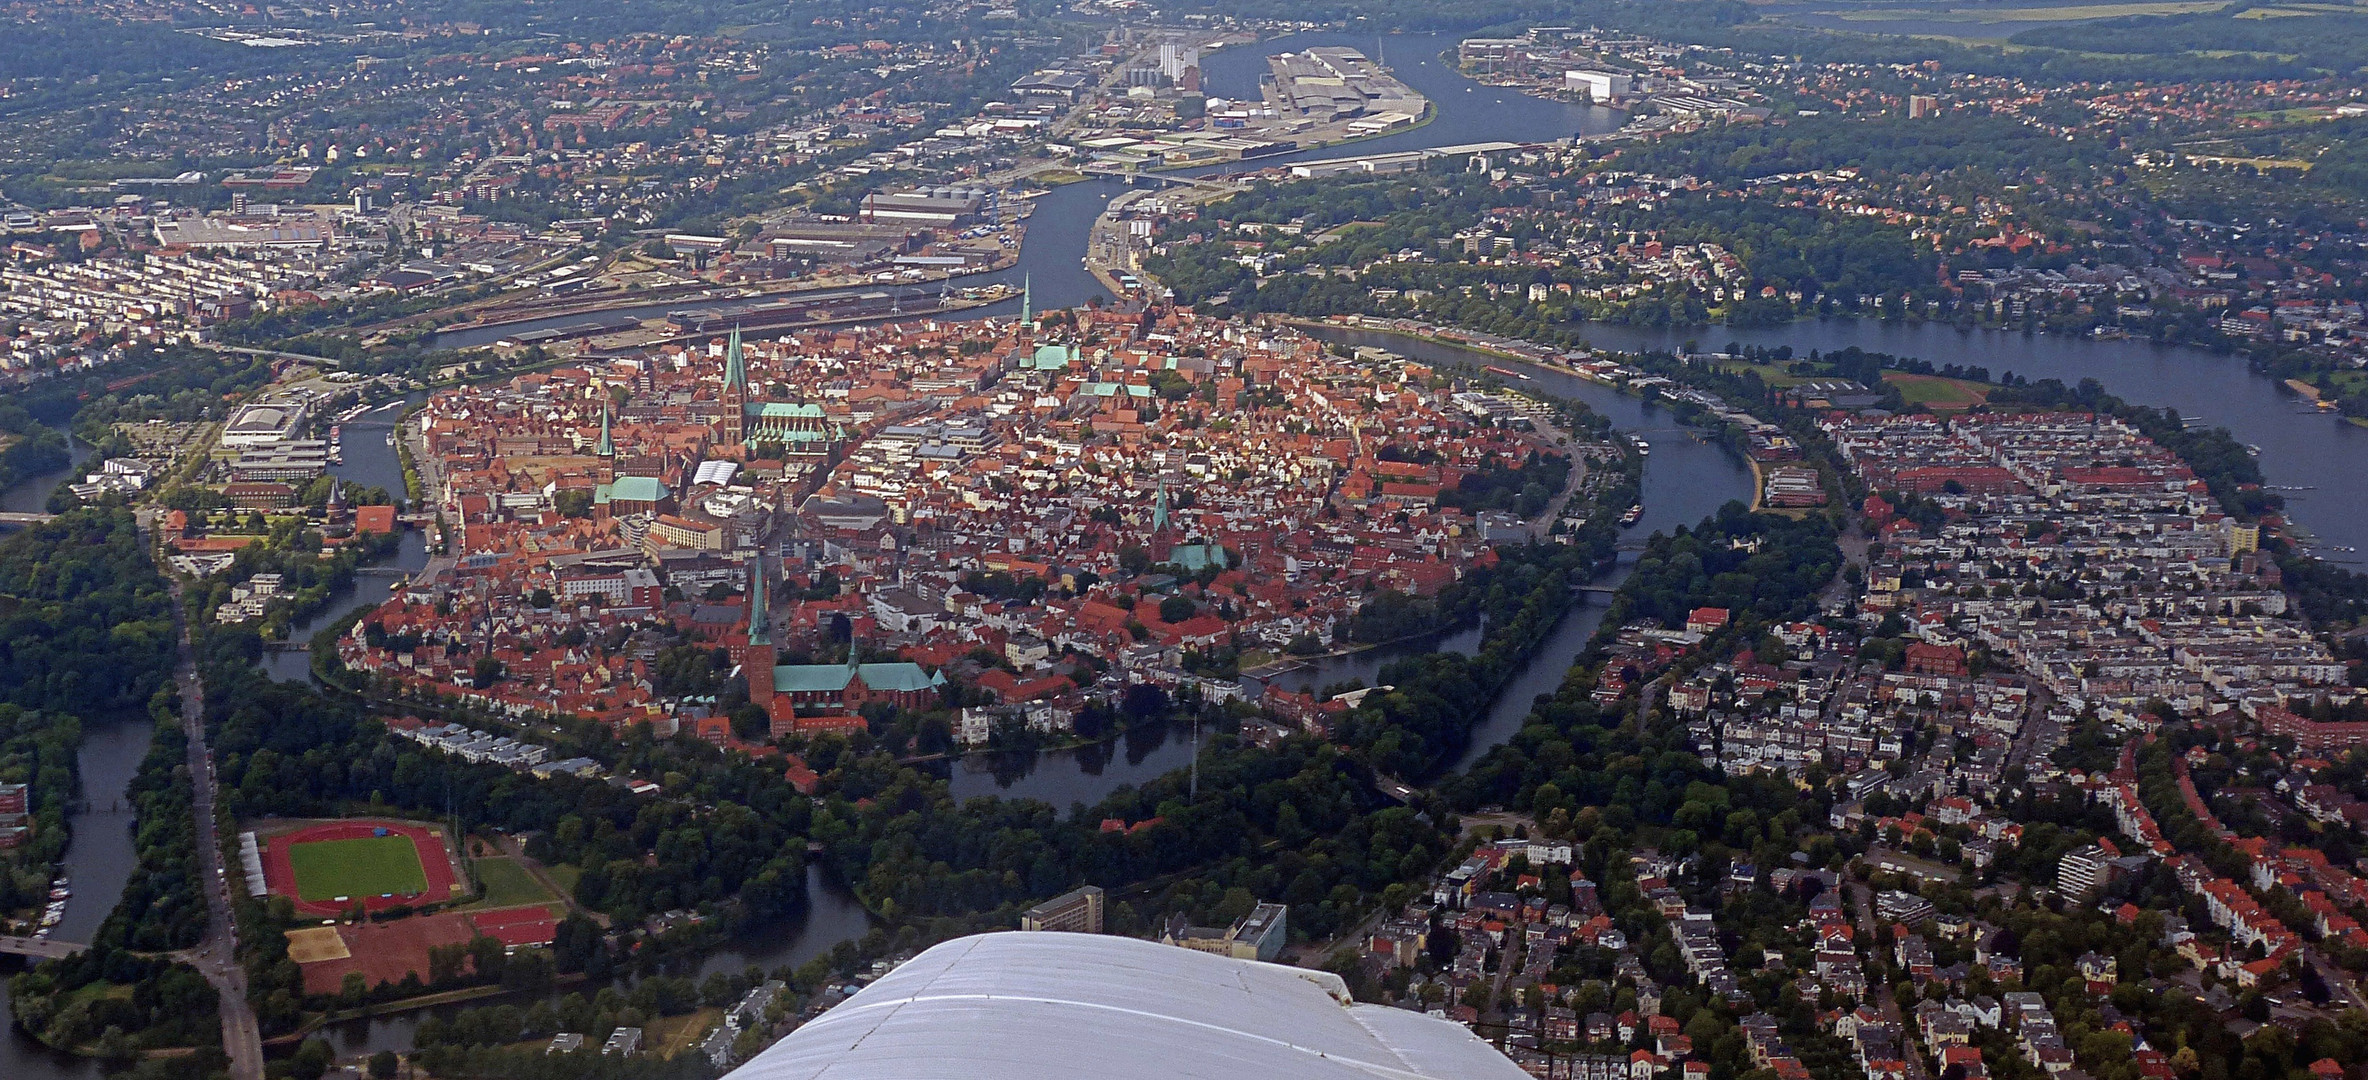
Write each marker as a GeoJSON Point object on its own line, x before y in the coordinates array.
{"type": "Point", "coordinates": [2301, 448]}
{"type": "Point", "coordinates": [832, 915]}
{"type": "Point", "coordinates": [1084, 775]}
{"type": "Point", "coordinates": [100, 858]}
{"type": "Point", "coordinates": [23, 1056]}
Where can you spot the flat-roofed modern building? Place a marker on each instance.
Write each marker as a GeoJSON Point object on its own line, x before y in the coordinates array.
{"type": "Point", "coordinates": [1085, 1007]}
{"type": "Point", "coordinates": [1078, 911]}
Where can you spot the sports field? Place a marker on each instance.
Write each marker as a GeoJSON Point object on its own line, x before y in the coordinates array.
{"type": "Point", "coordinates": [1940, 393]}
{"type": "Point", "coordinates": [375, 862]}
{"type": "Point", "coordinates": [364, 866]}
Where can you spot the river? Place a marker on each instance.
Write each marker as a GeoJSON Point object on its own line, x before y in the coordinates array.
{"type": "Point", "coordinates": [370, 461]}
{"type": "Point", "coordinates": [1052, 252]}
{"type": "Point", "coordinates": [832, 915]}
{"type": "Point", "coordinates": [2301, 447]}
{"type": "Point", "coordinates": [1684, 481]}
{"type": "Point", "coordinates": [100, 858]}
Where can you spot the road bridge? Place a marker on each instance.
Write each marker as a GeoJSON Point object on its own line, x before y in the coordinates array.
{"type": "Point", "coordinates": [38, 948]}
{"type": "Point", "coordinates": [1135, 177]}
{"type": "Point", "coordinates": [13, 518]}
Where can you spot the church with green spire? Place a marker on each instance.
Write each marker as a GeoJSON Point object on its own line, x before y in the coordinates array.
{"type": "Point", "coordinates": [799, 430]}
{"type": "Point", "coordinates": [822, 697]}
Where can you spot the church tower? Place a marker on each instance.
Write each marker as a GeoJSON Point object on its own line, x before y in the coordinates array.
{"type": "Point", "coordinates": [757, 659]}
{"type": "Point", "coordinates": [1163, 538]}
{"type": "Point", "coordinates": [735, 397]}
{"type": "Point", "coordinates": [606, 448]}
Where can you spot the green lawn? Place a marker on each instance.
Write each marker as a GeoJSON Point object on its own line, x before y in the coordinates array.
{"type": "Point", "coordinates": [367, 866]}
{"type": "Point", "coordinates": [1937, 392]}
{"type": "Point", "coordinates": [507, 884]}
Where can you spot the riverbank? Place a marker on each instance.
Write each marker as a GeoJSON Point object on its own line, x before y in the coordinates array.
{"type": "Point", "coordinates": [1297, 662]}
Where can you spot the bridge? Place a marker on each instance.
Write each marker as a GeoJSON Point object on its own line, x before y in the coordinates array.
{"type": "Point", "coordinates": [38, 948]}
{"type": "Point", "coordinates": [275, 354]}
{"type": "Point", "coordinates": [12, 518]}
{"type": "Point", "coordinates": [1600, 590]}
{"type": "Point", "coordinates": [381, 571]}
{"type": "Point", "coordinates": [1134, 177]}
{"type": "Point", "coordinates": [287, 646]}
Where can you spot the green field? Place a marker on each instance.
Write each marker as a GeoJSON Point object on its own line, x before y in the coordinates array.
{"type": "Point", "coordinates": [507, 884]}
{"type": "Point", "coordinates": [368, 866]}
{"type": "Point", "coordinates": [1939, 393]}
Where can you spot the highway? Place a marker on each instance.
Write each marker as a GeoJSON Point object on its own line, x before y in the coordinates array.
{"type": "Point", "coordinates": [217, 955]}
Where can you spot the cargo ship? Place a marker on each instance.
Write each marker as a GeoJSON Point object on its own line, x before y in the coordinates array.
{"type": "Point", "coordinates": [1507, 373]}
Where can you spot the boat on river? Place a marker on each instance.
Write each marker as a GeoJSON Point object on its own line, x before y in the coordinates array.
{"type": "Point", "coordinates": [1635, 514]}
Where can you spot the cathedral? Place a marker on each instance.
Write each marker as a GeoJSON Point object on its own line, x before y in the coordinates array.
{"type": "Point", "coordinates": [800, 431]}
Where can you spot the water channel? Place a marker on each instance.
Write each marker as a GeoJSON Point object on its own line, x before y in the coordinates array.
{"type": "Point", "coordinates": [1685, 480]}
{"type": "Point", "coordinates": [100, 859]}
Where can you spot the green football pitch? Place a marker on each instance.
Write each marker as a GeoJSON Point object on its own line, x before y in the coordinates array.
{"type": "Point", "coordinates": [368, 866]}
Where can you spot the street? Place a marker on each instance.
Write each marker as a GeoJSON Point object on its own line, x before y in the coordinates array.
{"type": "Point", "coordinates": [216, 956]}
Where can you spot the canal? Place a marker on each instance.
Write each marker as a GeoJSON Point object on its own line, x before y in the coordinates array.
{"type": "Point", "coordinates": [99, 859]}
{"type": "Point", "coordinates": [1052, 253]}
{"type": "Point", "coordinates": [2313, 457]}
{"type": "Point", "coordinates": [1685, 479]}
{"type": "Point", "coordinates": [370, 461]}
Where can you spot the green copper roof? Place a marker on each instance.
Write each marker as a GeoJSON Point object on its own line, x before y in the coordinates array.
{"type": "Point", "coordinates": [1196, 556]}
{"type": "Point", "coordinates": [647, 489]}
{"type": "Point", "coordinates": [735, 368]}
{"type": "Point", "coordinates": [900, 677]}
{"type": "Point", "coordinates": [784, 410]}
{"type": "Point", "coordinates": [758, 632]}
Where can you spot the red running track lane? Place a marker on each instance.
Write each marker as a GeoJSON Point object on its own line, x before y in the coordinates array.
{"type": "Point", "coordinates": [280, 876]}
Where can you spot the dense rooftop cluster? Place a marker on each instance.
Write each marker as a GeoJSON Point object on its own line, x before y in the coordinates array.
{"type": "Point", "coordinates": [1031, 511]}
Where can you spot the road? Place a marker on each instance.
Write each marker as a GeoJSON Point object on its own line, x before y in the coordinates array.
{"type": "Point", "coordinates": [41, 948]}
{"type": "Point", "coordinates": [1862, 902]}
{"type": "Point", "coordinates": [217, 955]}
{"type": "Point", "coordinates": [510, 846]}
{"type": "Point", "coordinates": [275, 354]}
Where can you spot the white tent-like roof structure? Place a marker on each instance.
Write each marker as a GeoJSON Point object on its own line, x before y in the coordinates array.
{"type": "Point", "coordinates": [1057, 1006]}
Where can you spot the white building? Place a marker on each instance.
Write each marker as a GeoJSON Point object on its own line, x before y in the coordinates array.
{"type": "Point", "coordinates": [1600, 85]}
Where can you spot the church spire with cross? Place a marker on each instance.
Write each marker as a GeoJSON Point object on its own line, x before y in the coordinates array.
{"type": "Point", "coordinates": [735, 395]}
{"type": "Point", "coordinates": [1027, 299]}
{"type": "Point", "coordinates": [735, 365]}
{"type": "Point", "coordinates": [607, 446]}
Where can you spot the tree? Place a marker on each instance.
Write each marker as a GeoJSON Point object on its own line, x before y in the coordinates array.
{"type": "Point", "coordinates": [1143, 701]}
{"type": "Point", "coordinates": [311, 1060]}
{"type": "Point", "coordinates": [1176, 609]}
{"type": "Point", "coordinates": [383, 1065]}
